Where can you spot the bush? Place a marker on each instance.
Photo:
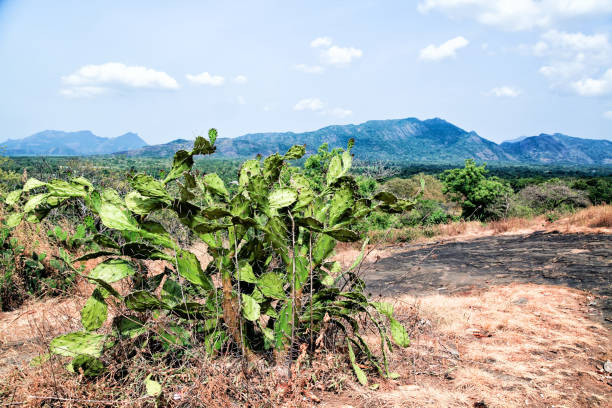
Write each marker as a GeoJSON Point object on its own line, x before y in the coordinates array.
{"type": "Point", "coordinates": [552, 196]}
{"type": "Point", "coordinates": [426, 212]}
{"type": "Point", "coordinates": [27, 274]}
{"type": "Point", "coordinates": [478, 194]}
{"type": "Point", "coordinates": [270, 285]}
{"type": "Point", "coordinates": [367, 185]}
{"type": "Point", "coordinates": [599, 189]}
{"type": "Point", "coordinates": [410, 187]}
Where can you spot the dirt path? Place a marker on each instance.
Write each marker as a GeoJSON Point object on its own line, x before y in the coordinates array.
{"type": "Point", "coordinates": [582, 261]}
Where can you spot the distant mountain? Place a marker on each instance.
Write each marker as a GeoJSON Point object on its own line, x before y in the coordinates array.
{"type": "Point", "coordinates": [160, 150]}
{"type": "Point", "coordinates": [432, 140]}
{"type": "Point", "coordinates": [58, 143]}
{"type": "Point", "coordinates": [518, 139]}
{"type": "Point", "coordinates": [404, 139]}
{"type": "Point", "coordinates": [559, 148]}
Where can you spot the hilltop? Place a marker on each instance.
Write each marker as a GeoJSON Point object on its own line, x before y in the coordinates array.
{"type": "Point", "coordinates": [410, 139]}
{"type": "Point", "coordinates": [59, 143]}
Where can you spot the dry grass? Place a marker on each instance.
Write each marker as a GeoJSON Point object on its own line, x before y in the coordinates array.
{"type": "Point", "coordinates": [189, 377]}
{"type": "Point", "coordinates": [593, 217]}
{"type": "Point", "coordinates": [510, 224]}
{"type": "Point", "coordinates": [511, 346]}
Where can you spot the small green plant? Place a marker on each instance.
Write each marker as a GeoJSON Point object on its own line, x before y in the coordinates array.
{"type": "Point", "coordinates": [70, 242]}
{"type": "Point", "coordinates": [25, 274]}
{"type": "Point", "coordinates": [270, 285]}
{"type": "Point", "coordinates": [552, 216]}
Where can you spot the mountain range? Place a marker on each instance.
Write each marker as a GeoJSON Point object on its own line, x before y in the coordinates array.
{"type": "Point", "coordinates": [410, 139]}
{"type": "Point", "coordinates": [58, 143]}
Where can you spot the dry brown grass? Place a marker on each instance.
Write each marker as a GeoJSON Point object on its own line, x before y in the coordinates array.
{"type": "Point", "coordinates": [521, 345]}
{"type": "Point", "coordinates": [189, 380]}
{"type": "Point", "coordinates": [594, 217]}
{"type": "Point", "coordinates": [510, 224]}
{"type": "Point", "coordinates": [510, 346]}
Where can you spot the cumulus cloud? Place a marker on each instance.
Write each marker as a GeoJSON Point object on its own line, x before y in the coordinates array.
{"type": "Point", "coordinates": [92, 80]}
{"type": "Point", "coordinates": [321, 42]}
{"type": "Point", "coordinates": [340, 112]}
{"type": "Point", "coordinates": [517, 15]}
{"type": "Point", "coordinates": [560, 71]}
{"type": "Point", "coordinates": [206, 79]}
{"type": "Point", "coordinates": [445, 50]}
{"type": "Point", "coordinates": [241, 79]}
{"type": "Point", "coordinates": [594, 86]}
{"type": "Point", "coordinates": [309, 69]}
{"type": "Point", "coordinates": [340, 55]}
{"type": "Point", "coordinates": [317, 105]}
{"type": "Point", "coordinates": [564, 44]}
{"type": "Point", "coordinates": [83, 91]}
{"type": "Point", "coordinates": [313, 104]}
{"type": "Point", "coordinates": [504, 91]}
{"type": "Point", "coordinates": [330, 54]}
{"type": "Point", "coordinates": [574, 60]}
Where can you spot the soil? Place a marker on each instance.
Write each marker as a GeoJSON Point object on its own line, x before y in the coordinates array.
{"type": "Point", "coordinates": [581, 261]}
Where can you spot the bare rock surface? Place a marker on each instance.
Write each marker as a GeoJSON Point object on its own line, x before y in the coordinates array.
{"type": "Point", "coordinates": [581, 261]}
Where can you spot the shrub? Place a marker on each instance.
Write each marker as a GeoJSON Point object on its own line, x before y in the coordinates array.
{"type": "Point", "coordinates": [27, 274]}
{"type": "Point", "coordinates": [367, 185]}
{"type": "Point", "coordinates": [430, 187]}
{"type": "Point", "coordinates": [270, 284]}
{"type": "Point", "coordinates": [478, 194]}
{"type": "Point", "coordinates": [553, 195]}
{"type": "Point", "coordinates": [316, 165]}
{"type": "Point", "coordinates": [599, 189]}
{"type": "Point", "coordinates": [426, 212]}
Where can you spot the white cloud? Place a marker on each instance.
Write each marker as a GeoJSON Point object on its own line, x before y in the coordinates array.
{"type": "Point", "coordinates": [92, 80]}
{"type": "Point", "coordinates": [607, 114]}
{"type": "Point", "coordinates": [594, 87]}
{"type": "Point", "coordinates": [241, 79]}
{"type": "Point", "coordinates": [574, 59]}
{"type": "Point", "coordinates": [83, 91]}
{"type": "Point", "coordinates": [505, 91]}
{"type": "Point", "coordinates": [517, 14]}
{"type": "Point", "coordinates": [445, 50]}
{"type": "Point", "coordinates": [206, 79]}
{"type": "Point", "coordinates": [313, 104]}
{"type": "Point", "coordinates": [560, 71]}
{"type": "Point", "coordinates": [561, 43]}
{"type": "Point", "coordinates": [321, 42]}
{"type": "Point", "coordinates": [309, 69]}
{"type": "Point", "coordinates": [340, 55]}
{"type": "Point", "coordinates": [241, 100]}
{"type": "Point", "coordinates": [340, 112]}
{"type": "Point", "coordinates": [330, 54]}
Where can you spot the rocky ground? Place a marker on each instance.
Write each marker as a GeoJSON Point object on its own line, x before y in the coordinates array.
{"type": "Point", "coordinates": [581, 261]}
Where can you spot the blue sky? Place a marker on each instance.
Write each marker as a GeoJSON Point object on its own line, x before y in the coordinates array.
{"type": "Point", "coordinates": [173, 69]}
